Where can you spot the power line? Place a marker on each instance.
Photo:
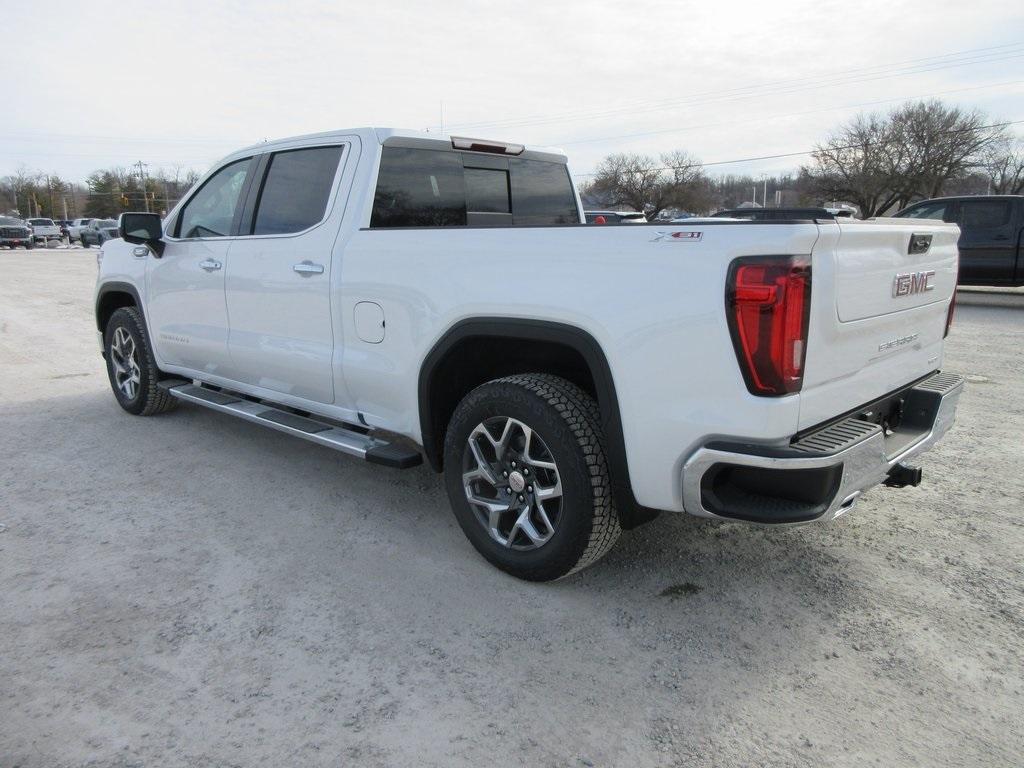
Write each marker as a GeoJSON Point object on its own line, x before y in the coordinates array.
{"type": "Point", "coordinates": [780, 87]}
{"type": "Point", "coordinates": [808, 151]}
{"type": "Point", "coordinates": [786, 114]}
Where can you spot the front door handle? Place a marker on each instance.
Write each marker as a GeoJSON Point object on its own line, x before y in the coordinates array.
{"type": "Point", "coordinates": [210, 265]}
{"type": "Point", "coordinates": [308, 268]}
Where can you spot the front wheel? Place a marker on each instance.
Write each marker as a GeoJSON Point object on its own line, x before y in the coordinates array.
{"type": "Point", "coordinates": [131, 367]}
{"type": "Point", "coordinates": [527, 477]}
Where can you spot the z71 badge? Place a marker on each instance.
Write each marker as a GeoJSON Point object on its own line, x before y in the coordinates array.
{"type": "Point", "coordinates": [688, 237]}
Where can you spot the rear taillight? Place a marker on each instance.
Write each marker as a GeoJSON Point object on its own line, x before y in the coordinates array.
{"type": "Point", "coordinates": [768, 302]}
{"type": "Point", "coordinates": [949, 313]}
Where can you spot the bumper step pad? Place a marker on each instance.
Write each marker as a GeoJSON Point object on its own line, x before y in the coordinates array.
{"type": "Point", "coordinates": [349, 441]}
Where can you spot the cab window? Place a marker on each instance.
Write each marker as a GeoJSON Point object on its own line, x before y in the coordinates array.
{"type": "Point", "coordinates": [296, 190]}
{"type": "Point", "coordinates": [211, 211]}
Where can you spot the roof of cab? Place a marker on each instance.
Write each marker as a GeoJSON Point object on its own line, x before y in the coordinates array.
{"type": "Point", "coordinates": [398, 137]}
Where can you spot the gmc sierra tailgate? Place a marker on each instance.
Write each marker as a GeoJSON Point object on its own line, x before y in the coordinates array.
{"type": "Point", "coordinates": [880, 297]}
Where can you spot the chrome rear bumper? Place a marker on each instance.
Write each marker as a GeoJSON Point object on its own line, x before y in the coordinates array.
{"type": "Point", "coordinates": [818, 477]}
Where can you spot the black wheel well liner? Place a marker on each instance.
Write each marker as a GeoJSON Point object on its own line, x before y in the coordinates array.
{"type": "Point", "coordinates": [562, 349]}
{"type": "Point", "coordinates": [112, 296]}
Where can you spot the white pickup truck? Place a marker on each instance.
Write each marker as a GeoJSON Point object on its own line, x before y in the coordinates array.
{"type": "Point", "coordinates": [397, 295]}
{"type": "Point", "coordinates": [44, 230]}
{"type": "Point", "coordinates": [75, 228]}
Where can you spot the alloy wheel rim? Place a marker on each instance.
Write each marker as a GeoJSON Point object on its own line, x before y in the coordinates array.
{"type": "Point", "coordinates": [124, 359]}
{"type": "Point", "coordinates": [512, 483]}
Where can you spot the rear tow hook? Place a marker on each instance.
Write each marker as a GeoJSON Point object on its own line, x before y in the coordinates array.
{"type": "Point", "coordinates": [903, 475]}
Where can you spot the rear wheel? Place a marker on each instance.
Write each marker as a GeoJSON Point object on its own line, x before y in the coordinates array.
{"type": "Point", "coordinates": [527, 476]}
{"type": "Point", "coordinates": [131, 367]}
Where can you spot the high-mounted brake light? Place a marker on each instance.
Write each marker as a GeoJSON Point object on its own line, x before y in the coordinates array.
{"type": "Point", "coordinates": [768, 302]}
{"type": "Point", "coordinates": [494, 147]}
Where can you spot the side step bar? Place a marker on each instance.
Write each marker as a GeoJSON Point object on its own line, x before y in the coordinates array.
{"type": "Point", "coordinates": [347, 441]}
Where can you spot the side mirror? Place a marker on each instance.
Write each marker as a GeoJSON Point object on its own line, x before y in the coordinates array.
{"type": "Point", "coordinates": [142, 229]}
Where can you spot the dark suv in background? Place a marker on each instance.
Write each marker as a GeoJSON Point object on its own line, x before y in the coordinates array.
{"type": "Point", "coordinates": [990, 235]}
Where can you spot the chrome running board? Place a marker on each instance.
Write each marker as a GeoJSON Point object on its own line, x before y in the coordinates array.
{"type": "Point", "coordinates": [348, 441]}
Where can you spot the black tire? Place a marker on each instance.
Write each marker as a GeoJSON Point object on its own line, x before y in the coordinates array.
{"type": "Point", "coordinates": [568, 422]}
{"type": "Point", "coordinates": [148, 398]}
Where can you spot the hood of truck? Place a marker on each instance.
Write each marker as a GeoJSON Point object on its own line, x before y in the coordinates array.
{"type": "Point", "coordinates": [880, 294]}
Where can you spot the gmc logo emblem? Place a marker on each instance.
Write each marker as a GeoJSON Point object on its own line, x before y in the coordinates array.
{"type": "Point", "coordinates": [909, 283]}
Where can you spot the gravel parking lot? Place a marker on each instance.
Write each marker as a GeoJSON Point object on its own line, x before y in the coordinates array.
{"type": "Point", "coordinates": [192, 590]}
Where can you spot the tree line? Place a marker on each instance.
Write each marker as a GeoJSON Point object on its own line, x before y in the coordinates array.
{"type": "Point", "coordinates": [878, 162]}
{"type": "Point", "coordinates": [105, 194]}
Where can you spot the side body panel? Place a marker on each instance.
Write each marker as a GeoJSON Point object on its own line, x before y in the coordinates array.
{"type": "Point", "coordinates": [186, 314]}
{"type": "Point", "coordinates": [655, 305]}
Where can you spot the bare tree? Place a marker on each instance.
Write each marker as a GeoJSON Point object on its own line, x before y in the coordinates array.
{"type": "Point", "coordinates": [1002, 162]}
{"type": "Point", "coordinates": [917, 150]}
{"type": "Point", "coordinates": [859, 164]}
{"type": "Point", "coordinates": [20, 187]}
{"type": "Point", "coordinates": [643, 183]}
{"type": "Point", "coordinates": [943, 144]}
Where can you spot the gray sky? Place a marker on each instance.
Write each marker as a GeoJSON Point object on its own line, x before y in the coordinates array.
{"type": "Point", "coordinates": [183, 83]}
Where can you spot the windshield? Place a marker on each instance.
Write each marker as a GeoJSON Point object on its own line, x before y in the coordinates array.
{"type": "Point", "coordinates": [107, 223]}
{"type": "Point", "coordinates": [41, 222]}
{"type": "Point", "coordinates": [7, 221]}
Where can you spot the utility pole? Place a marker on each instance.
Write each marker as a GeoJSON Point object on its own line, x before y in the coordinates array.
{"type": "Point", "coordinates": [142, 180]}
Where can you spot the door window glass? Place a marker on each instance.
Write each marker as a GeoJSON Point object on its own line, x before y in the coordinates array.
{"type": "Point", "coordinates": [296, 191]}
{"type": "Point", "coordinates": [211, 210]}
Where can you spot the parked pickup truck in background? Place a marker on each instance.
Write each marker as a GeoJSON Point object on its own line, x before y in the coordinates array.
{"type": "Point", "coordinates": [15, 232]}
{"type": "Point", "coordinates": [991, 235]}
{"type": "Point", "coordinates": [75, 228]}
{"type": "Point", "coordinates": [44, 230]}
{"type": "Point", "coordinates": [398, 295]}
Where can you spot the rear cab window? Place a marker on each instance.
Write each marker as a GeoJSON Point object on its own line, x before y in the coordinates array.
{"type": "Point", "coordinates": [441, 188]}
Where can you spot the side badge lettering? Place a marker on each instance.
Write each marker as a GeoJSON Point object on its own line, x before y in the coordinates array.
{"type": "Point", "coordinates": [669, 237]}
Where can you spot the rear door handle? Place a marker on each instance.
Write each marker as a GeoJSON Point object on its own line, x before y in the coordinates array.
{"type": "Point", "coordinates": [210, 265]}
{"type": "Point", "coordinates": [308, 268]}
